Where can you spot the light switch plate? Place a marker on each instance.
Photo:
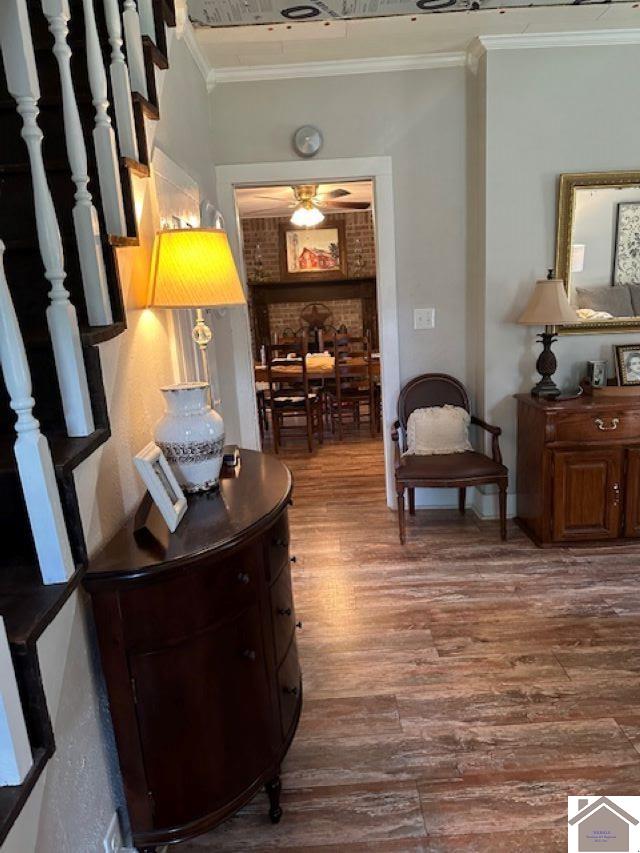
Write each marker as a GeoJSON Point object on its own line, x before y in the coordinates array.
{"type": "Point", "coordinates": [424, 318]}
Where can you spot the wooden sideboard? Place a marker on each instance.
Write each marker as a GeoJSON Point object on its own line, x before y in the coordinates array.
{"type": "Point", "coordinates": [196, 631]}
{"type": "Point", "coordinates": [579, 469]}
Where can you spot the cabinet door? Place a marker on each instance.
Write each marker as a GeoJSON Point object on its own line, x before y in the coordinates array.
{"type": "Point", "coordinates": [632, 494]}
{"type": "Point", "coordinates": [587, 494]}
{"type": "Point", "coordinates": [204, 717]}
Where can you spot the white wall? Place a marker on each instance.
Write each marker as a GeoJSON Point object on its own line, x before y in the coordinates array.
{"type": "Point", "coordinates": [72, 804]}
{"type": "Point", "coordinates": [547, 111]}
{"type": "Point", "coordinates": [416, 117]}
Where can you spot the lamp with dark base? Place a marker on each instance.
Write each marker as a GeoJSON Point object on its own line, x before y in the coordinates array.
{"type": "Point", "coordinates": [548, 307]}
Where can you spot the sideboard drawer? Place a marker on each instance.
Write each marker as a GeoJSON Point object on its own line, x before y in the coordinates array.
{"type": "Point", "coordinates": [603, 426]}
{"type": "Point", "coordinates": [277, 543]}
{"type": "Point", "coordinates": [154, 614]}
{"type": "Point", "coordinates": [290, 687]}
{"type": "Point", "coordinates": [284, 616]}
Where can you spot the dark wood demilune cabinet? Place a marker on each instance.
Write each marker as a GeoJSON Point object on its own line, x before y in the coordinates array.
{"type": "Point", "coordinates": [579, 469]}
{"type": "Point", "coordinates": [197, 638]}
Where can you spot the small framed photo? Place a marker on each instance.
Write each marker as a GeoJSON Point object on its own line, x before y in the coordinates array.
{"type": "Point", "coordinates": [627, 358]}
{"type": "Point", "coordinates": [597, 373]}
{"type": "Point", "coordinates": [162, 484]}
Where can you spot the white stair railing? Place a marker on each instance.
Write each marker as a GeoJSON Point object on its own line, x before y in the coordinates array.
{"type": "Point", "coordinates": [135, 52]}
{"type": "Point", "coordinates": [31, 449]}
{"type": "Point", "coordinates": [22, 81]}
{"type": "Point", "coordinates": [85, 218]}
{"type": "Point", "coordinates": [104, 138]}
{"type": "Point", "coordinates": [15, 753]}
{"type": "Point", "coordinates": [120, 85]}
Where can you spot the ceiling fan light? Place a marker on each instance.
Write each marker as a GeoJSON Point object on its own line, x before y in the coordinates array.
{"type": "Point", "coordinates": [307, 215]}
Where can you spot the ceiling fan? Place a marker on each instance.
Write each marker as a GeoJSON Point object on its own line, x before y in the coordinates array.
{"type": "Point", "coordinates": [308, 203]}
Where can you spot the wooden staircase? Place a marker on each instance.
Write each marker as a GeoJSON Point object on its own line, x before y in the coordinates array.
{"type": "Point", "coordinates": [26, 604]}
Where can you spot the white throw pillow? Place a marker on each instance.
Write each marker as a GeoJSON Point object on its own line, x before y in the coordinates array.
{"type": "Point", "coordinates": [438, 430]}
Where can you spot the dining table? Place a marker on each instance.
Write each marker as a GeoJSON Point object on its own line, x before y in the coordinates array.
{"type": "Point", "coordinates": [320, 367]}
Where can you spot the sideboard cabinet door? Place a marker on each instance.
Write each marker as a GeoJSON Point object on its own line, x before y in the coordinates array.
{"type": "Point", "coordinates": [587, 494]}
{"type": "Point", "coordinates": [204, 718]}
{"type": "Point", "coordinates": [632, 502]}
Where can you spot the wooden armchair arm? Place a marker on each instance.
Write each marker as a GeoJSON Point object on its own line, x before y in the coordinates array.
{"type": "Point", "coordinates": [395, 437]}
{"type": "Point", "coordinates": [495, 433]}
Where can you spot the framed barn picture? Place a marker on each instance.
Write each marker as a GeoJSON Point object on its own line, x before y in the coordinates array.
{"type": "Point", "coordinates": [309, 253]}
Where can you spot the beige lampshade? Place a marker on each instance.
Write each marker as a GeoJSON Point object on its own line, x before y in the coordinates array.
{"type": "Point", "coordinates": [193, 268]}
{"type": "Point", "coordinates": [548, 305]}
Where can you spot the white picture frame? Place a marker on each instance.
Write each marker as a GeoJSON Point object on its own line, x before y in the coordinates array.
{"type": "Point", "coordinates": [163, 487]}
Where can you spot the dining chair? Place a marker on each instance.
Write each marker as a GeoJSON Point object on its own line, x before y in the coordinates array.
{"type": "Point", "coordinates": [446, 471]}
{"type": "Point", "coordinates": [291, 397]}
{"type": "Point", "coordinates": [352, 383]}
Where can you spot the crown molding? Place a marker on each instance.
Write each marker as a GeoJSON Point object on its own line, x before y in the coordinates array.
{"type": "Point", "coordinates": [336, 68]}
{"type": "Point", "coordinates": [579, 38]}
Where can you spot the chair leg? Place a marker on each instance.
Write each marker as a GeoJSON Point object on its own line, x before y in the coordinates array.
{"type": "Point", "coordinates": [412, 501]}
{"type": "Point", "coordinates": [401, 520]}
{"type": "Point", "coordinates": [320, 423]}
{"type": "Point", "coordinates": [462, 500]}
{"type": "Point", "coordinates": [275, 420]}
{"type": "Point", "coordinates": [309, 415]}
{"type": "Point", "coordinates": [502, 498]}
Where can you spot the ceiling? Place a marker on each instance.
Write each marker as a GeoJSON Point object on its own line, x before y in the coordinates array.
{"type": "Point", "coordinates": [280, 201]}
{"type": "Point", "coordinates": [328, 38]}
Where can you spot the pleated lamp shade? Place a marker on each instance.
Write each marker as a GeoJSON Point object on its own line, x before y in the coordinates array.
{"type": "Point", "coordinates": [548, 305]}
{"type": "Point", "coordinates": [193, 268]}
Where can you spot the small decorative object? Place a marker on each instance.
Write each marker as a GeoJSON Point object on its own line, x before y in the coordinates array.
{"type": "Point", "coordinates": [548, 307]}
{"type": "Point", "coordinates": [162, 484]}
{"type": "Point", "coordinates": [191, 436]}
{"type": "Point", "coordinates": [258, 264]}
{"type": "Point", "coordinates": [627, 358]}
{"type": "Point", "coordinates": [626, 268]}
{"type": "Point", "coordinates": [307, 140]}
{"type": "Point", "coordinates": [597, 373]}
{"type": "Point", "coordinates": [312, 253]}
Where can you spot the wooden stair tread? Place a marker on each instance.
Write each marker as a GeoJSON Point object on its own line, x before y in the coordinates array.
{"type": "Point", "coordinates": [13, 797]}
{"type": "Point", "coordinates": [150, 110]}
{"type": "Point", "coordinates": [123, 242]}
{"type": "Point", "coordinates": [135, 166]}
{"type": "Point", "coordinates": [67, 452]}
{"type": "Point", "coordinates": [157, 56]}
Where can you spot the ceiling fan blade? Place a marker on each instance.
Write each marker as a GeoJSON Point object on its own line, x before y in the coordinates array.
{"type": "Point", "coordinates": [339, 193]}
{"type": "Point", "coordinates": [347, 205]}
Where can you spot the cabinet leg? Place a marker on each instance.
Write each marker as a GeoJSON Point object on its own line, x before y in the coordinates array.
{"type": "Point", "coordinates": [273, 789]}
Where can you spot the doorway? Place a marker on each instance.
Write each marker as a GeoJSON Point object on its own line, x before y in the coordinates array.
{"type": "Point", "coordinates": [377, 171]}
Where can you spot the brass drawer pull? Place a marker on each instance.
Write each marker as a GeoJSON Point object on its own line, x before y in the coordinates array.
{"type": "Point", "coordinates": [602, 426]}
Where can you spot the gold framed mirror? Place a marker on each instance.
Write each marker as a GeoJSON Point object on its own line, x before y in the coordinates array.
{"type": "Point", "coordinates": [598, 250]}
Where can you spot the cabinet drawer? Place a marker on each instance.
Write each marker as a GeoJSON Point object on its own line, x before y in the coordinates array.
{"type": "Point", "coordinates": [600, 426]}
{"type": "Point", "coordinates": [290, 689]}
{"type": "Point", "coordinates": [154, 614]}
{"type": "Point", "coordinates": [277, 545]}
{"type": "Point", "coordinates": [283, 613]}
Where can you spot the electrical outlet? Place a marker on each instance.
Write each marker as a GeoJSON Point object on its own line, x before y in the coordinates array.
{"type": "Point", "coordinates": [424, 318]}
{"type": "Point", "coordinates": [112, 840]}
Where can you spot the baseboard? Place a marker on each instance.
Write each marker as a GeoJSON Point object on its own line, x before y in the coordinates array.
{"type": "Point", "coordinates": [485, 506]}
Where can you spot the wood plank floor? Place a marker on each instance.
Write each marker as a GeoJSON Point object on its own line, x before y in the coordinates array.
{"type": "Point", "coordinates": [457, 689]}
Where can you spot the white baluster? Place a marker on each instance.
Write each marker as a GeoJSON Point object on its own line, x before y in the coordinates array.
{"type": "Point", "coordinates": [85, 218]}
{"type": "Point", "coordinates": [104, 138]}
{"type": "Point", "coordinates": [15, 751]}
{"type": "Point", "coordinates": [147, 20]}
{"type": "Point", "coordinates": [135, 52]}
{"type": "Point", "coordinates": [120, 85]}
{"type": "Point", "coordinates": [22, 82]}
{"type": "Point", "coordinates": [35, 466]}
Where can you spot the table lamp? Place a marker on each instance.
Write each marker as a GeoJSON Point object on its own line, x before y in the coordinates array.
{"type": "Point", "coordinates": [193, 268]}
{"type": "Point", "coordinates": [548, 307]}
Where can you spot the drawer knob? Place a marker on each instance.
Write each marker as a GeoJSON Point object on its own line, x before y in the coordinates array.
{"type": "Point", "coordinates": [290, 691]}
{"type": "Point", "coordinates": [606, 427]}
{"type": "Point", "coordinates": [243, 578]}
{"type": "Point", "coordinates": [299, 625]}
{"type": "Point", "coordinates": [280, 543]}
{"type": "Point", "coordinates": [249, 654]}
{"type": "Point", "coordinates": [284, 611]}
{"type": "Point", "coordinates": [293, 559]}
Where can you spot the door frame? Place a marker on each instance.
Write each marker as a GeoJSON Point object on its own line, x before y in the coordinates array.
{"type": "Point", "coordinates": [379, 171]}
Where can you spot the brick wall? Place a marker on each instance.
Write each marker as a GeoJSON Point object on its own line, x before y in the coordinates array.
{"type": "Point", "coordinates": [266, 233]}
{"type": "Point", "coordinates": [261, 236]}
